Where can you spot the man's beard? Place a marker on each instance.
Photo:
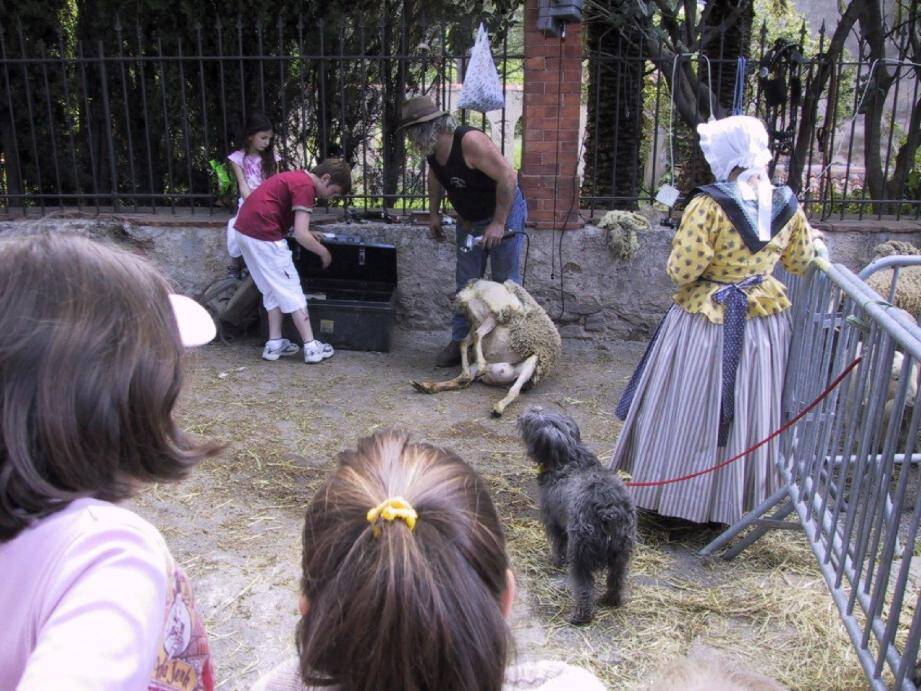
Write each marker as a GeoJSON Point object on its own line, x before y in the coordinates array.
{"type": "Point", "coordinates": [425, 147]}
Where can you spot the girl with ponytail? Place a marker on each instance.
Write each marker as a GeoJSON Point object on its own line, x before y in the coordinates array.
{"type": "Point", "coordinates": [406, 583]}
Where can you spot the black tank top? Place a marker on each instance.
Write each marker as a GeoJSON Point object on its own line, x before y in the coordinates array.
{"type": "Point", "coordinates": [472, 192]}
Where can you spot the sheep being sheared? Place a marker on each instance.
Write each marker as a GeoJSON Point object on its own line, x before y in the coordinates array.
{"type": "Point", "coordinates": [911, 393]}
{"type": "Point", "coordinates": [513, 341]}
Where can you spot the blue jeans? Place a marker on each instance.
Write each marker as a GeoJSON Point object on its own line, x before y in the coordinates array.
{"type": "Point", "coordinates": [504, 260]}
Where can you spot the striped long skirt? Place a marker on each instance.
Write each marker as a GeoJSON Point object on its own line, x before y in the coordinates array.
{"type": "Point", "coordinates": [672, 426]}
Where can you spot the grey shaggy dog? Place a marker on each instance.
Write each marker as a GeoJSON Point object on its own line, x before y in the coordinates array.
{"type": "Point", "coordinates": [587, 512]}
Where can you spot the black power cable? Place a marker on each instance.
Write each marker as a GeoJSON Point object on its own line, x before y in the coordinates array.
{"type": "Point", "coordinates": [556, 167]}
{"type": "Point", "coordinates": [556, 186]}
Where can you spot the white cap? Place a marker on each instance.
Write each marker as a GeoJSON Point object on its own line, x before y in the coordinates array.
{"type": "Point", "coordinates": [196, 327]}
{"type": "Point", "coordinates": [739, 141]}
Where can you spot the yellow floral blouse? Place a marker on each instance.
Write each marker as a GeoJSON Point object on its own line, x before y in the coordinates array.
{"type": "Point", "coordinates": [708, 246]}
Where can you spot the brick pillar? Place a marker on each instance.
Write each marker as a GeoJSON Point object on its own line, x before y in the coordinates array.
{"type": "Point", "coordinates": [550, 159]}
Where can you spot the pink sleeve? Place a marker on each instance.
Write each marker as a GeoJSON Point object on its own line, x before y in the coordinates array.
{"type": "Point", "coordinates": [236, 157]}
{"type": "Point", "coordinates": [103, 618]}
{"type": "Point", "coordinates": [303, 195]}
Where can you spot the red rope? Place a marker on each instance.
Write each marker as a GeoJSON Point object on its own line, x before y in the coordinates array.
{"type": "Point", "coordinates": [831, 387]}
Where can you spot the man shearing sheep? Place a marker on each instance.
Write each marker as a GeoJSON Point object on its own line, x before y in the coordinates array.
{"type": "Point", "coordinates": [483, 189]}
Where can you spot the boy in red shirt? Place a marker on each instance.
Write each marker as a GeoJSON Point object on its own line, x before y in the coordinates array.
{"type": "Point", "coordinates": [283, 201]}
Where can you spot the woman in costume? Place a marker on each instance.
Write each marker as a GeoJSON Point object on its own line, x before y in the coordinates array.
{"type": "Point", "coordinates": [709, 384]}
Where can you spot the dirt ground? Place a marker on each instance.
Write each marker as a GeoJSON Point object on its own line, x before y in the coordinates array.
{"type": "Point", "coordinates": [235, 524]}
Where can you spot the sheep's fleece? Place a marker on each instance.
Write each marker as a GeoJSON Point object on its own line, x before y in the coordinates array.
{"type": "Point", "coordinates": [908, 289]}
{"type": "Point", "coordinates": [530, 332]}
{"type": "Point", "coordinates": [622, 228]}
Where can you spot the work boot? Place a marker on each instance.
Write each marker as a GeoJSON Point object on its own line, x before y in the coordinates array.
{"type": "Point", "coordinates": [450, 356]}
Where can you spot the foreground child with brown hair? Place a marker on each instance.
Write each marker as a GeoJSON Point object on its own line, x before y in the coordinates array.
{"type": "Point", "coordinates": [406, 582]}
{"type": "Point", "coordinates": [91, 347]}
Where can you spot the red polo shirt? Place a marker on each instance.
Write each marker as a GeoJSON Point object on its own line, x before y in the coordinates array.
{"type": "Point", "coordinates": [268, 213]}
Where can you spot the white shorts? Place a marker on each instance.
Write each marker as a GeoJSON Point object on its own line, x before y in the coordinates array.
{"type": "Point", "coordinates": [233, 249]}
{"type": "Point", "coordinates": [272, 268]}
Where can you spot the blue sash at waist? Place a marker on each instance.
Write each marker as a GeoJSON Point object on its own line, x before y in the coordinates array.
{"type": "Point", "coordinates": [735, 309]}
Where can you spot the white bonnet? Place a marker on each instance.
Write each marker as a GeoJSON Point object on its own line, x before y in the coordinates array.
{"type": "Point", "coordinates": [737, 141]}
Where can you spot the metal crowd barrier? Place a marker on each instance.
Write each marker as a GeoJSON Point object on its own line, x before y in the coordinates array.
{"type": "Point", "coordinates": [845, 465]}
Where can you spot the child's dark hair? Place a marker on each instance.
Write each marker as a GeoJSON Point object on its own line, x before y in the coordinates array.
{"type": "Point", "coordinates": [89, 372]}
{"type": "Point", "coordinates": [396, 607]}
{"type": "Point", "coordinates": [257, 121]}
{"type": "Point", "coordinates": [339, 171]}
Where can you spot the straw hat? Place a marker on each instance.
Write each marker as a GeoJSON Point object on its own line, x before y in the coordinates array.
{"type": "Point", "coordinates": [417, 110]}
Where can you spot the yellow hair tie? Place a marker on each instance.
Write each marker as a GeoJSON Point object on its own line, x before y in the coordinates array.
{"type": "Point", "coordinates": [391, 510]}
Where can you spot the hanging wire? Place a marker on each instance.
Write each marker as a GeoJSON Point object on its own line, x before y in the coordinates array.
{"type": "Point", "coordinates": [738, 94]}
{"type": "Point", "coordinates": [671, 104]}
{"type": "Point", "coordinates": [556, 162]}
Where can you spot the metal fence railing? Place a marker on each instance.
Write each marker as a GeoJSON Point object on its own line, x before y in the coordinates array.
{"type": "Point", "coordinates": [133, 119]}
{"type": "Point", "coordinates": [633, 141]}
{"type": "Point", "coordinates": [849, 466]}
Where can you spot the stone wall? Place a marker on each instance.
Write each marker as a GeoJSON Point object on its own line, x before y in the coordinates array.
{"type": "Point", "coordinates": [603, 298]}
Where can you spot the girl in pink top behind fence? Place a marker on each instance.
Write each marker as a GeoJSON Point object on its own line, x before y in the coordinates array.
{"type": "Point", "coordinates": [253, 163]}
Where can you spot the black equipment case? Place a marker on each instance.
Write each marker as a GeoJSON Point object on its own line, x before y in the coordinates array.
{"type": "Point", "coordinates": [351, 304]}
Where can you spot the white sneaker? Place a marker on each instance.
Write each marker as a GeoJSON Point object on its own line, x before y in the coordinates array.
{"type": "Point", "coordinates": [316, 351]}
{"type": "Point", "coordinates": [284, 348]}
